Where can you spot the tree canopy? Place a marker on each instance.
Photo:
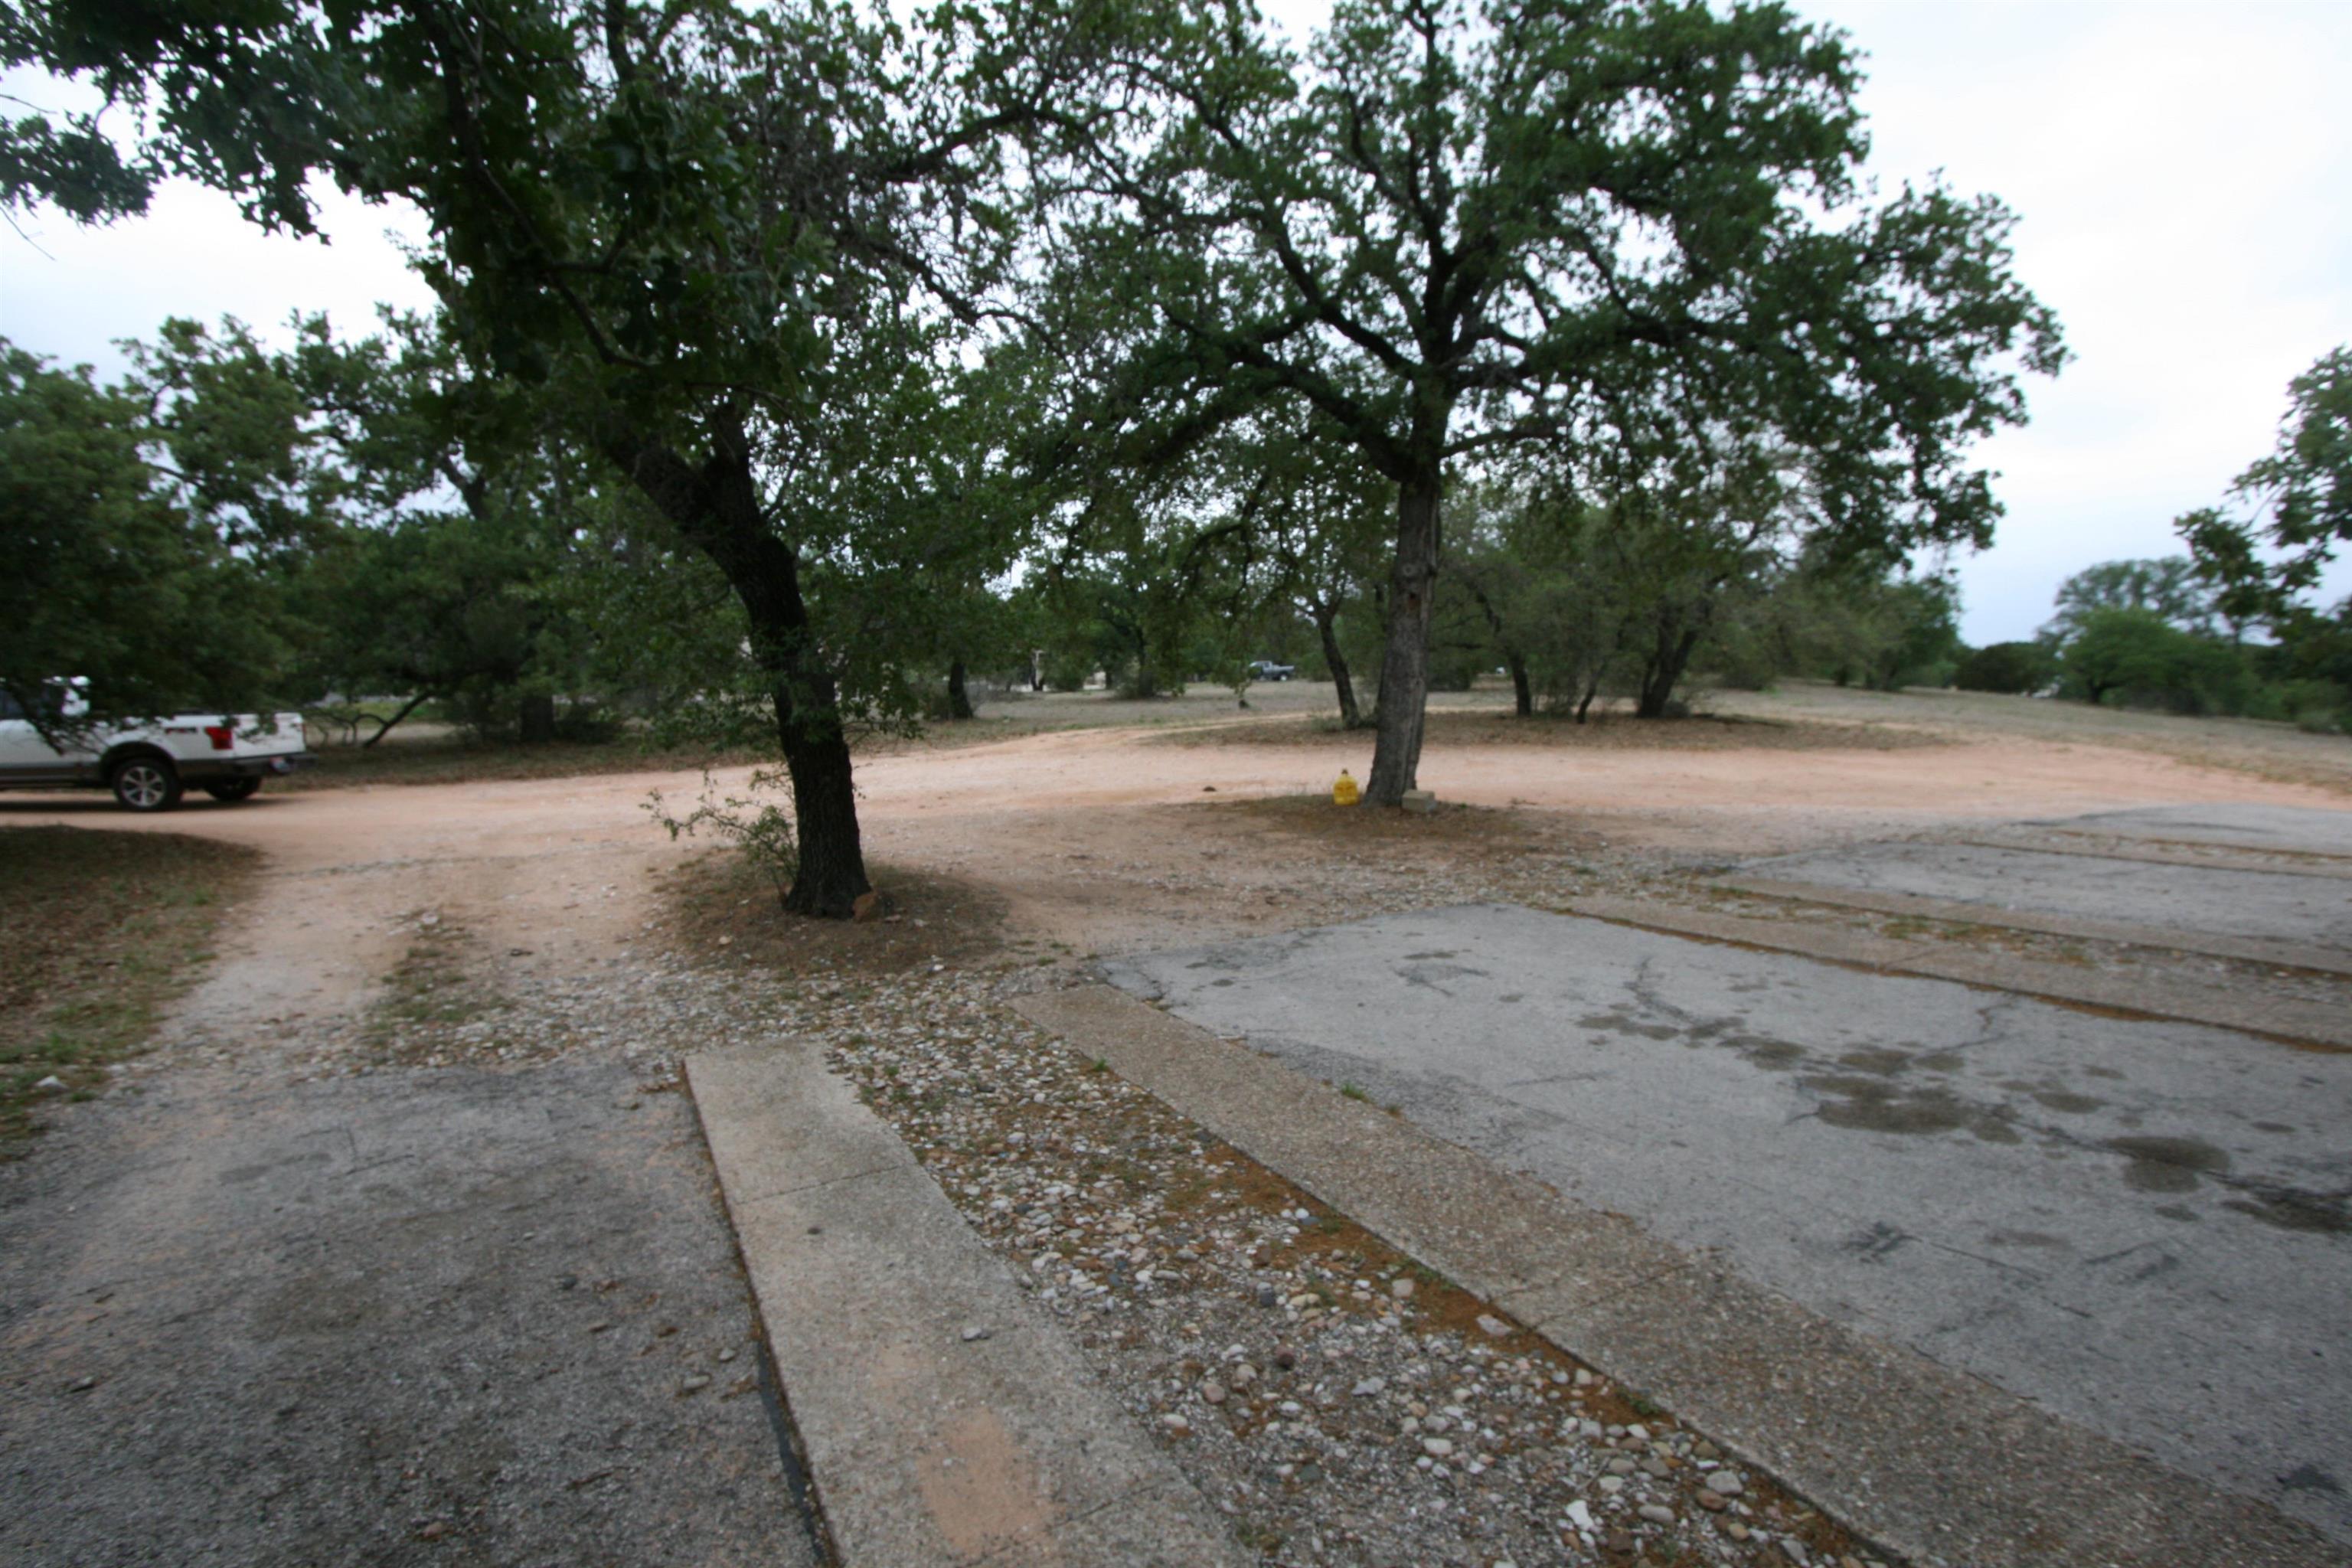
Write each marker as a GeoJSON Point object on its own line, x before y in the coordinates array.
{"type": "Point", "coordinates": [857, 305]}
{"type": "Point", "coordinates": [1600, 229]}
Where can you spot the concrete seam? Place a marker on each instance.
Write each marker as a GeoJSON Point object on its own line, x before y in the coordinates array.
{"type": "Point", "coordinates": [792, 1447]}
{"type": "Point", "coordinates": [830, 1182]}
{"type": "Point", "coordinates": [1695, 925]}
{"type": "Point", "coordinates": [2291, 956]}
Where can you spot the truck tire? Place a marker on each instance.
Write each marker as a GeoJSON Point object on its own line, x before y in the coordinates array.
{"type": "Point", "coordinates": [146, 782]}
{"type": "Point", "coordinates": [228, 792]}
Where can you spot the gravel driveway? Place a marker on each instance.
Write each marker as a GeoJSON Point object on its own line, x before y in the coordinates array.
{"type": "Point", "coordinates": [293, 1296]}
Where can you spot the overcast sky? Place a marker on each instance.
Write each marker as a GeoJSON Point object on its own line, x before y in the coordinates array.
{"type": "Point", "coordinates": [2179, 172]}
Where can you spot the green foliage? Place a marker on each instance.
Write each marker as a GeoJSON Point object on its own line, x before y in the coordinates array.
{"type": "Point", "coordinates": [2140, 657]}
{"type": "Point", "coordinates": [134, 520]}
{"type": "Point", "coordinates": [1611, 234]}
{"type": "Point", "coordinates": [2014, 668]}
{"type": "Point", "coordinates": [2289, 514]}
{"type": "Point", "coordinates": [2172, 587]}
{"type": "Point", "coordinates": [2290, 511]}
{"type": "Point", "coordinates": [1861, 623]}
{"type": "Point", "coordinates": [753, 820]}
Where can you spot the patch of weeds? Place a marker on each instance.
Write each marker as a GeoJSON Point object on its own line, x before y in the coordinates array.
{"type": "Point", "coordinates": [99, 930]}
{"type": "Point", "coordinates": [755, 822]}
{"type": "Point", "coordinates": [1100, 1065]}
{"type": "Point", "coordinates": [1258, 1537]}
{"type": "Point", "coordinates": [430, 995]}
{"type": "Point", "coordinates": [1354, 1091]}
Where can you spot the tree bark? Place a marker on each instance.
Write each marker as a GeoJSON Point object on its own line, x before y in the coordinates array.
{"type": "Point", "coordinates": [1584, 703]}
{"type": "Point", "coordinates": [1326, 617]}
{"type": "Point", "coordinates": [411, 706]}
{"type": "Point", "coordinates": [1147, 679]}
{"type": "Point", "coordinates": [1664, 671]}
{"type": "Point", "coordinates": [1404, 661]}
{"type": "Point", "coordinates": [1523, 697]}
{"type": "Point", "coordinates": [958, 700]}
{"type": "Point", "coordinates": [716, 506]}
{"type": "Point", "coordinates": [538, 721]}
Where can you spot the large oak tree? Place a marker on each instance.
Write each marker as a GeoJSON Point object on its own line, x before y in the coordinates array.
{"type": "Point", "coordinates": [1582, 225]}
{"type": "Point", "coordinates": [725, 244]}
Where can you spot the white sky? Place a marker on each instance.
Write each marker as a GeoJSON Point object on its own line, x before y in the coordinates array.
{"type": "Point", "coordinates": [2181, 172]}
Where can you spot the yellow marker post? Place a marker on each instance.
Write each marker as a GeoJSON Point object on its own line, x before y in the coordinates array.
{"type": "Point", "coordinates": [1345, 792]}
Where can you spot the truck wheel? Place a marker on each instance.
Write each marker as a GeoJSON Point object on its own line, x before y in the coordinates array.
{"type": "Point", "coordinates": [147, 784]}
{"type": "Point", "coordinates": [228, 792]}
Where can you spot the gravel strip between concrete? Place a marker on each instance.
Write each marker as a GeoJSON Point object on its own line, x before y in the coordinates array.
{"type": "Point", "coordinates": [1942, 1466]}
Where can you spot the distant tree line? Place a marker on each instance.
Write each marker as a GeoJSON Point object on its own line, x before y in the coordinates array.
{"type": "Point", "coordinates": [2237, 626]}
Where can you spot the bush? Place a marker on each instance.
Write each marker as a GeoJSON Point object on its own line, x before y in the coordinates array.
{"type": "Point", "coordinates": [756, 822]}
{"type": "Point", "coordinates": [2015, 669]}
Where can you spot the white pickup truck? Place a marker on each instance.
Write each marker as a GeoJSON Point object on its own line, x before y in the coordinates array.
{"type": "Point", "coordinates": [148, 762]}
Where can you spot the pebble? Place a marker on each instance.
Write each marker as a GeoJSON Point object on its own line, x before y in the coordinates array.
{"type": "Point", "coordinates": [695, 1385]}
{"type": "Point", "coordinates": [976, 1331]}
{"type": "Point", "coordinates": [1724, 1482]}
{"type": "Point", "coordinates": [1376, 1416]}
{"type": "Point", "coordinates": [1657, 1513]}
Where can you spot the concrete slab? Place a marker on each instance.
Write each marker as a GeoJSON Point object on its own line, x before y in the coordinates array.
{"type": "Point", "coordinates": [2150, 996]}
{"type": "Point", "coordinates": [2291, 829]}
{"type": "Point", "coordinates": [2072, 840]}
{"type": "Point", "coordinates": [2251, 906]}
{"type": "Point", "coordinates": [943, 1417]}
{"type": "Point", "coordinates": [403, 1317]}
{"type": "Point", "coordinates": [2142, 1226]}
{"type": "Point", "coordinates": [1937, 1465]}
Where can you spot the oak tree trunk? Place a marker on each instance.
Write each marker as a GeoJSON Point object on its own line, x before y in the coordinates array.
{"type": "Point", "coordinates": [1664, 672]}
{"type": "Point", "coordinates": [1350, 716]}
{"type": "Point", "coordinates": [538, 721]}
{"type": "Point", "coordinates": [1523, 696]}
{"type": "Point", "coordinates": [1404, 661]}
{"type": "Point", "coordinates": [716, 507]}
{"type": "Point", "coordinates": [958, 700]}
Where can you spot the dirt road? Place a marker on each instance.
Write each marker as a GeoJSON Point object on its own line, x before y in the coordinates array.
{"type": "Point", "coordinates": [290, 1296]}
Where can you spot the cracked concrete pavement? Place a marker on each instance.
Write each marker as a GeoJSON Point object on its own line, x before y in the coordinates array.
{"type": "Point", "coordinates": [2139, 1226]}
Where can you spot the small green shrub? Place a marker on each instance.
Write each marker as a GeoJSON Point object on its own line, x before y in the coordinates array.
{"type": "Point", "coordinates": [755, 822]}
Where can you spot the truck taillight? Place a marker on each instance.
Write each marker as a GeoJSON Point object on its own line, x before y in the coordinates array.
{"type": "Point", "coordinates": [223, 736]}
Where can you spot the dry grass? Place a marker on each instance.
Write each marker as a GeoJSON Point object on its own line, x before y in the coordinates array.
{"type": "Point", "coordinates": [2279, 753]}
{"type": "Point", "coordinates": [721, 910]}
{"type": "Point", "coordinates": [437, 755]}
{"type": "Point", "coordinates": [98, 931]}
{"type": "Point", "coordinates": [1451, 728]}
{"type": "Point", "coordinates": [442, 759]}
